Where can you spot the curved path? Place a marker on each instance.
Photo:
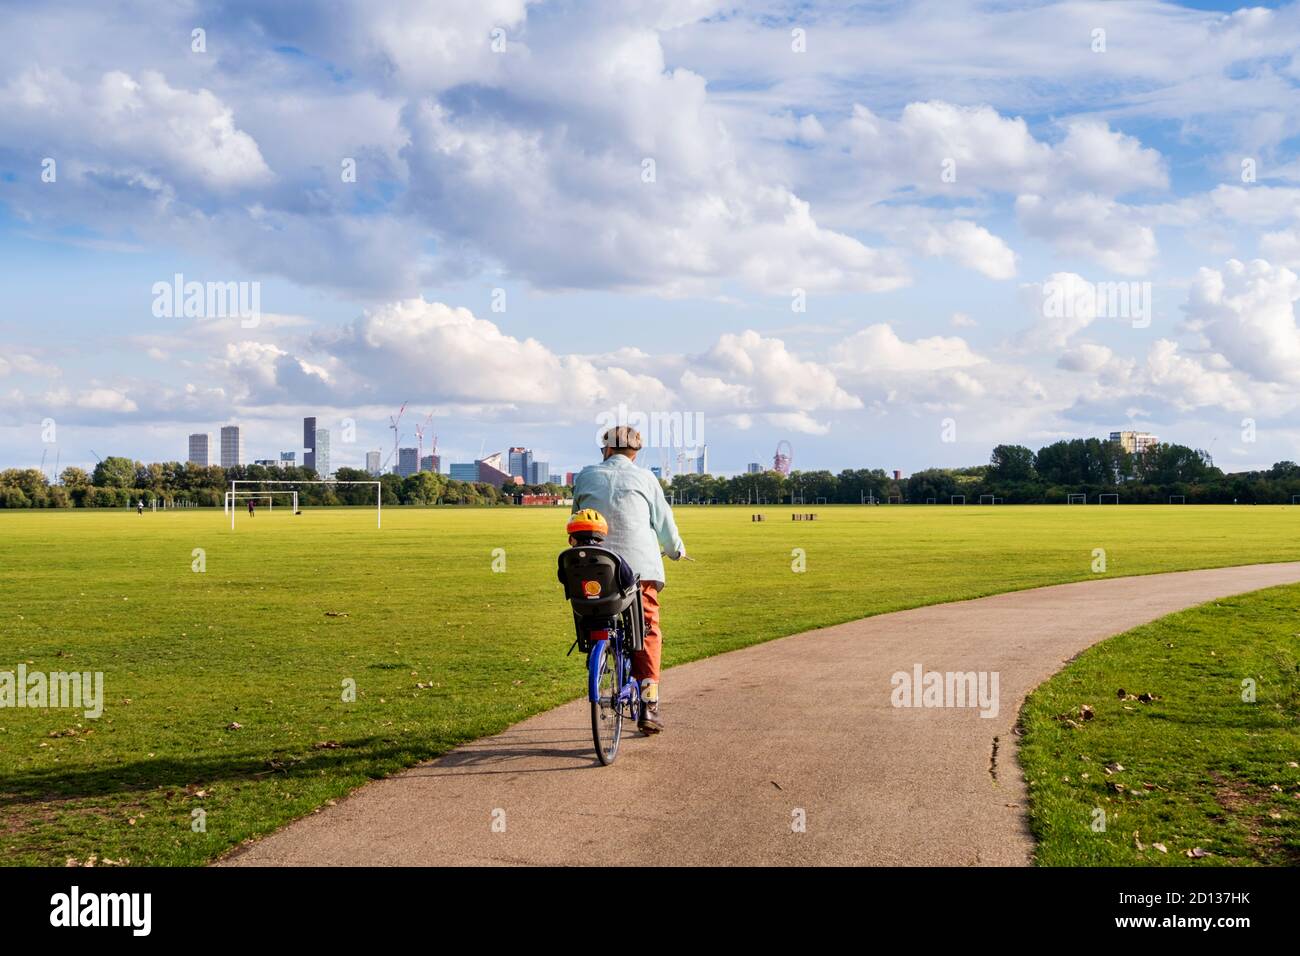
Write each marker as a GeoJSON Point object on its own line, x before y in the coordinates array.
{"type": "Point", "coordinates": [803, 723]}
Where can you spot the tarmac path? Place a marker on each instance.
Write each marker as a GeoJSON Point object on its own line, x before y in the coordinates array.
{"type": "Point", "coordinates": [755, 737]}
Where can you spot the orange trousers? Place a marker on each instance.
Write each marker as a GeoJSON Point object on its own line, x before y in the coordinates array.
{"type": "Point", "coordinates": [645, 662]}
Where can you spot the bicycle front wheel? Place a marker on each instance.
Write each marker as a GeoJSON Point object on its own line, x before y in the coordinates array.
{"type": "Point", "coordinates": [606, 715]}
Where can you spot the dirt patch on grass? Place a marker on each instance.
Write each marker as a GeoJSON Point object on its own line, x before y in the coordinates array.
{"type": "Point", "coordinates": [1263, 816]}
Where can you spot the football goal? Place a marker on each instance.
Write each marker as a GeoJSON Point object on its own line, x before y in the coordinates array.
{"type": "Point", "coordinates": [235, 483]}
{"type": "Point", "coordinates": [260, 496]}
{"type": "Point", "coordinates": [820, 501]}
{"type": "Point", "coordinates": [1178, 499]}
{"type": "Point", "coordinates": [958, 500]}
{"type": "Point", "coordinates": [929, 501]}
{"type": "Point", "coordinates": [895, 499]}
{"type": "Point", "coordinates": [1077, 500]}
{"type": "Point", "coordinates": [1111, 499]}
{"type": "Point", "coordinates": [989, 499]}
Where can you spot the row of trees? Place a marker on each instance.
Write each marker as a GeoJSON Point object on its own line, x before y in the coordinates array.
{"type": "Point", "coordinates": [1018, 475]}
{"type": "Point", "coordinates": [119, 482]}
{"type": "Point", "coordinates": [1015, 474]}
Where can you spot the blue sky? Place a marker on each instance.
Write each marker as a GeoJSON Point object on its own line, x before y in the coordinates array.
{"type": "Point", "coordinates": [857, 220]}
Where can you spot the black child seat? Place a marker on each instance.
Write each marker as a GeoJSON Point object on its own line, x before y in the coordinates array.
{"type": "Point", "coordinates": [602, 590]}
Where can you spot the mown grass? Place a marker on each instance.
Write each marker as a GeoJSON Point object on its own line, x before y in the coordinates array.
{"type": "Point", "coordinates": [1204, 768]}
{"type": "Point", "coordinates": [250, 640]}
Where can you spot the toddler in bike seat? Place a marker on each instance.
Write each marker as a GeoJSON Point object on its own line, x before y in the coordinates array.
{"type": "Point", "coordinates": [588, 528]}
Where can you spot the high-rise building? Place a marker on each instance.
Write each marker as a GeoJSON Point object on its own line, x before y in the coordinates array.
{"type": "Point", "coordinates": [569, 476]}
{"type": "Point", "coordinates": [430, 463]}
{"type": "Point", "coordinates": [268, 462]}
{"type": "Point", "coordinates": [288, 459]}
{"type": "Point", "coordinates": [700, 464]}
{"type": "Point", "coordinates": [1135, 443]}
{"type": "Point", "coordinates": [539, 473]}
{"type": "Point", "coordinates": [754, 468]}
{"type": "Point", "coordinates": [408, 462]}
{"type": "Point", "coordinates": [232, 446]}
{"type": "Point", "coordinates": [200, 449]}
{"type": "Point", "coordinates": [464, 471]}
{"type": "Point", "coordinates": [309, 443]}
{"type": "Point", "coordinates": [521, 464]}
{"type": "Point", "coordinates": [321, 451]}
{"type": "Point", "coordinates": [373, 465]}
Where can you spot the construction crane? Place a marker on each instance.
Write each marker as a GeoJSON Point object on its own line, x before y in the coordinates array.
{"type": "Point", "coordinates": [419, 440]}
{"type": "Point", "coordinates": [393, 421]}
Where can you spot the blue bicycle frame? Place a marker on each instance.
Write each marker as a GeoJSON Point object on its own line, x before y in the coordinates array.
{"type": "Point", "coordinates": [629, 693]}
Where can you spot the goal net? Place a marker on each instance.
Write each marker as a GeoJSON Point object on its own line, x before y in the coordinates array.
{"type": "Point", "coordinates": [259, 496]}
{"type": "Point", "coordinates": [259, 482]}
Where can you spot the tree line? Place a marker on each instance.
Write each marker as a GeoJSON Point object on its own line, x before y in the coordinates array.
{"type": "Point", "coordinates": [1014, 473]}
{"type": "Point", "coordinates": [121, 482]}
{"type": "Point", "coordinates": [1017, 475]}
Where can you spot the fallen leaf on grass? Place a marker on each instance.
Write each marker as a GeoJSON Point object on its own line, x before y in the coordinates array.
{"type": "Point", "coordinates": [336, 613]}
{"type": "Point", "coordinates": [1197, 853]}
{"type": "Point", "coordinates": [1161, 847]}
{"type": "Point", "coordinates": [234, 726]}
{"type": "Point", "coordinates": [1138, 841]}
{"type": "Point", "coordinates": [327, 745]}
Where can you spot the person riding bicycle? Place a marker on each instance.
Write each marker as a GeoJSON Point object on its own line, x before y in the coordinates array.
{"type": "Point", "coordinates": [640, 524]}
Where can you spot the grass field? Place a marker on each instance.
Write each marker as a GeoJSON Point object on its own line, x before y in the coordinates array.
{"type": "Point", "coordinates": [442, 649]}
{"type": "Point", "coordinates": [1202, 768]}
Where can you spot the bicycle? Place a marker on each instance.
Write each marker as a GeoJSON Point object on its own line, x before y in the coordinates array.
{"type": "Point", "coordinates": [610, 626]}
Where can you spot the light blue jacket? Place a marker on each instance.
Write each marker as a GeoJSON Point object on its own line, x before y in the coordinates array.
{"type": "Point", "coordinates": [640, 521]}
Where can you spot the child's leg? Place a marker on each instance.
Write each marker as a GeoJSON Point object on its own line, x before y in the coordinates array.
{"type": "Point", "coordinates": [645, 663]}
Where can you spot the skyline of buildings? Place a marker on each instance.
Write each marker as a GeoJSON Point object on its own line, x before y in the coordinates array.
{"type": "Point", "coordinates": [517, 466]}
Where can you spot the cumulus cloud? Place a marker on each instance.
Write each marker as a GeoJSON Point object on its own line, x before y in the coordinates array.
{"type": "Point", "coordinates": [137, 125]}
{"type": "Point", "coordinates": [1102, 230]}
{"type": "Point", "coordinates": [1246, 312]}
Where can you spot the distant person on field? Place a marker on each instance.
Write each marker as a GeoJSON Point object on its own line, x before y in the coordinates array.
{"type": "Point", "coordinates": [139, 507]}
{"type": "Point", "coordinates": [640, 525]}
{"type": "Point", "coordinates": [250, 508]}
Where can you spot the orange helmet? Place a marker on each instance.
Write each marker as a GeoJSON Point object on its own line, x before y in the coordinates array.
{"type": "Point", "coordinates": [588, 521]}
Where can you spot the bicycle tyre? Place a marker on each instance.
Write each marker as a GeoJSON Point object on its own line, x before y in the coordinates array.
{"type": "Point", "coordinates": [606, 714]}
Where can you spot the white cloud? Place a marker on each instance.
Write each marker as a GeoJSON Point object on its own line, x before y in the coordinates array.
{"type": "Point", "coordinates": [1247, 313]}
{"type": "Point", "coordinates": [1102, 230]}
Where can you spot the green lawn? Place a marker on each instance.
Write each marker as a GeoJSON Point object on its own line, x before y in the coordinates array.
{"type": "Point", "coordinates": [250, 641]}
{"type": "Point", "coordinates": [1202, 768]}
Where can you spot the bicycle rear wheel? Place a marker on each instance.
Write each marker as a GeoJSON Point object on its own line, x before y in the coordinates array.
{"type": "Point", "coordinates": [606, 715]}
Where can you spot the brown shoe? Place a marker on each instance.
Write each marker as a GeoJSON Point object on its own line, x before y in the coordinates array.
{"type": "Point", "coordinates": [650, 722]}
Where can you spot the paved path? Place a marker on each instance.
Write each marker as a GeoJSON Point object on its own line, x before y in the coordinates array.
{"type": "Point", "coordinates": [804, 722]}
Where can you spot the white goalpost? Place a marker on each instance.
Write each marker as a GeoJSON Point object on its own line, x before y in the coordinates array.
{"type": "Point", "coordinates": [954, 500]}
{"type": "Point", "coordinates": [1077, 500]}
{"type": "Point", "coordinates": [1178, 499]}
{"type": "Point", "coordinates": [1114, 499]}
{"type": "Point", "coordinates": [992, 499]}
{"type": "Point", "coordinates": [235, 483]}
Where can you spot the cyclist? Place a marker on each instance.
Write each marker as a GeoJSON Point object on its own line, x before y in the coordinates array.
{"type": "Point", "coordinates": [640, 525]}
